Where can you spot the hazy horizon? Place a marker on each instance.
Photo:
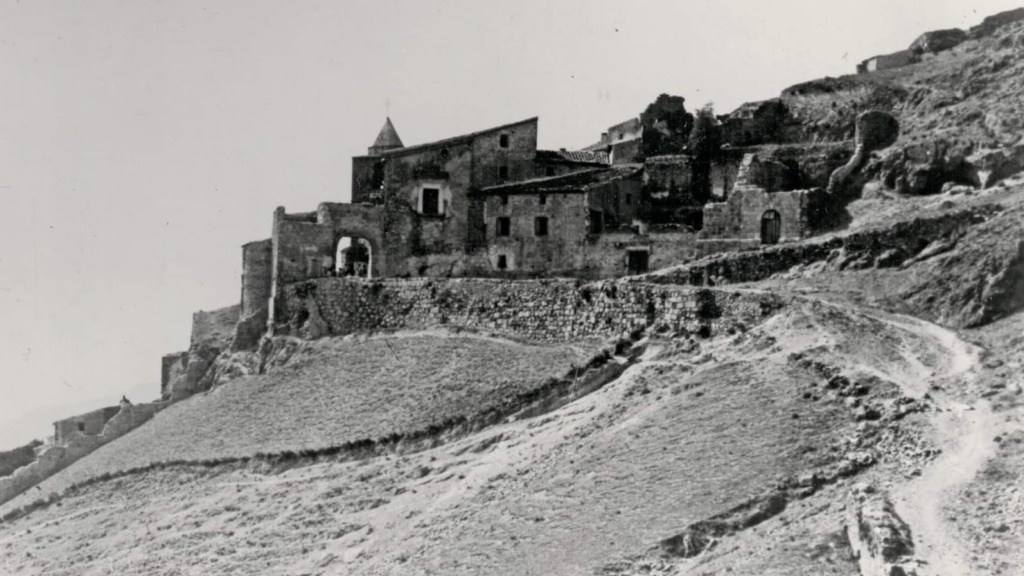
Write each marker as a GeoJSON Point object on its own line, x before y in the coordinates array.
{"type": "Point", "coordinates": [144, 142]}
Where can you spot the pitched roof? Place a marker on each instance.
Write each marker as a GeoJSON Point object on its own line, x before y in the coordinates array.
{"type": "Point", "coordinates": [387, 138]}
{"type": "Point", "coordinates": [576, 156]}
{"type": "Point", "coordinates": [576, 182]}
{"type": "Point", "coordinates": [456, 139]}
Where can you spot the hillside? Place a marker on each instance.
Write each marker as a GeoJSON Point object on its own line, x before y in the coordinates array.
{"type": "Point", "coordinates": [327, 393]}
{"type": "Point", "coordinates": [756, 420]}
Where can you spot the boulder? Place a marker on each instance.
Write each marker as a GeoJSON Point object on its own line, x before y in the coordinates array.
{"type": "Point", "coordinates": [938, 41]}
{"type": "Point", "coordinates": [992, 165]}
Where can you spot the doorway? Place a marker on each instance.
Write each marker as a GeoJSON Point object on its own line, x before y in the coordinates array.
{"type": "Point", "coordinates": [637, 261]}
{"type": "Point", "coordinates": [771, 227]}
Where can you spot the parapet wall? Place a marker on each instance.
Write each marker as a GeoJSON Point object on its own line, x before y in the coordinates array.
{"type": "Point", "coordinates": [75, 447]}
{"type": "Point", "coordinates": [540, 310]}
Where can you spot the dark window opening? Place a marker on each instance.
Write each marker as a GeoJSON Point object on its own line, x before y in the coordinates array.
{"type": "Point", "coordinates": [502, 173]}
{"type": "Point", "coordinates": [543, 199]}
{"type": "Point", "coordinates": [431, 201]}
{"type": "Point", "coordinates": [549, 171]}
{"type": "Point", "coordinates": [81, 426]}
{"type": "Point", "coordinates": [637, 261]}
{"type": "Point", "coordinates": [596, 222]}
{"type": "Point", "coordinates": [502, 262]}
{"type": "Point", "coordinates": [540, 226]}
{"type": "Point", "coordinates": [629, 199]}
{"type": "Point", "coordinates": [503, 140]}
{"type": "Point", "coordinates": [504, 199]}
{"type": "Point", "coordinates": [504, 226]}
{"type": "Point", "coordinates": [444, 153]}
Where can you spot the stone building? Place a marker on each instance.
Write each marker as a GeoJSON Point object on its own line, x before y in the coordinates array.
{"type": "Point", "coordinates": [887, 62]}
{"type": "Point", "coordinates": [760, 210]}
{"type": "Point", "coordinates": [541, 226]}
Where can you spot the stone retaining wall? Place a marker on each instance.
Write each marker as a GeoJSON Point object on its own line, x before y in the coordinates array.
{"type": "Point", "coordinates": [886, 247]}
{"type": "Point", "coordinates": [540, 310]}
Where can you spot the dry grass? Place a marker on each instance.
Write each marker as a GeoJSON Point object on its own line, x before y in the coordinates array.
{"type": "Point", "coordinates": [335, 391]}
{"type": "Point", "coordinates": [693, 430]}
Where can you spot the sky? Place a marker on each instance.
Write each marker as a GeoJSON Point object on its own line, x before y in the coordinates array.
{"type": "Point", "coordinates": [143, 142]}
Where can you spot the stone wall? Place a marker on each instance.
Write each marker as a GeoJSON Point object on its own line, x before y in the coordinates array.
{"type": "Point", "coordinates": [539, 310]}
{"type": "Point", "coordinates": [88, 424]}
{"type": "Point", "coordinates": [172, 369]}
{"type": "Point", "coordinates": [257, 275]}
{"type": "Point", "coordinates": [59, 456]}
{"type": "Point", "coordinates": [885, 247]}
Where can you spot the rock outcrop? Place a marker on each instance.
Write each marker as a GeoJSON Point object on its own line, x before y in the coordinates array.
{"type": "Point", "coordinates": [875, 130]}
{"type": "Point", "coordinates": [938, 41]}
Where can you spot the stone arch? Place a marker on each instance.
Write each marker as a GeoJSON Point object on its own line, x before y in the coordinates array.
{"type": "Point", "coordinates": [771, 227]}
{"type": "Point", "coordinates": [353, 256]}
{"type": "Point", "coordinates": [374, 252]}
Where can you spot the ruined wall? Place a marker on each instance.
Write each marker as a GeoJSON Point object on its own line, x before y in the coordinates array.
{"type": "Point", "coordinates": [58, 457]}
{"type": "Point", "coordinates": [88, 424]}
{"type": "Point", "coordinates": [214, 327]}
{"type": "Point", "coordinates": [11, 460]}
{"type": "Point", "coordinates": [740, 217]}
{"type": "Point", "coordinates": [902, 241]}
{"type": "Point", "coordinates": [887, 62]}
{"type": "Point", "coordinates": [257, 275]}
{"type": "Point", "coordinates": [172, 369]}
{"type": "Point", "coordinates": [606, 256]}
{"type": "Point", "coordinates": [541, 310]}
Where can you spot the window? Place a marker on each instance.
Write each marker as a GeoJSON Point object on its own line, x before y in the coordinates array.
{"type": "Point", "coordinates": [81, 426]}
{"type": "Point", "coordinates": [549, 171]}
{"type": "Point", "coordinates": [502, 173]}
{"type": "Point", "coordinates": [629, 199]}
{"type": "Point", "coordinates": [504, 226]}
{"type": "Point", "coordinates": [596, 222]}
{"type": "Point", "coordinates": [540, 226]}
{"type": "Point", "coordinates": [431, 205]}
{"type": "Point", "coordinates": [502, 262]}
{"type": "Point", "coordinates": [503, 140]}
{"type": "Point", "coordinates": [543, 199]}
{"type": "Point", "coordinates": [504, 199]}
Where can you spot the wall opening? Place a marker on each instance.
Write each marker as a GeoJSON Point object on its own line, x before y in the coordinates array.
{"type": "Point", "coordinates": [431, 202]}
{"type": "Point", "coordinates": [771, 227]}
{"type": "Point", "coordinates": [504, 226]}
{"type": "Point", "coordinates": [637, 261]}
{"type": "Point", "coordinates": [540, 226]}
{"type": "Point", "coordinates": [353, 258]}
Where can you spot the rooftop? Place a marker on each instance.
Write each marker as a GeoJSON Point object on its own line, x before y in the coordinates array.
{"type": "Point", "coordinates": [456, 139]}
{"type": "Point", "coordinates": [576, 156]}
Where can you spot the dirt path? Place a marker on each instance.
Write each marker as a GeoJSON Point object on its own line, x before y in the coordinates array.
{"type": "Point", "coordinates": [964, 432]}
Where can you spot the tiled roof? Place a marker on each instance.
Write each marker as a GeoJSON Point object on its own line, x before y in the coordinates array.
{"type": "Point", "coordinates": [578, 156]}
{"type": "Point", "coordinates": [455, 139]}
{"type": "Point", "coordinates": [576, 182]}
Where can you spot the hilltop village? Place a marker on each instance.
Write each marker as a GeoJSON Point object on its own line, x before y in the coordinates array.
{"type": "Point", "coordinates": [486, 231]}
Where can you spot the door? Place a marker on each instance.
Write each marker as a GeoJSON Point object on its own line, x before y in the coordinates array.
{"type": "Point", "coordinates": [771, 227]}
{"type": "Point", "coordinates": [636, 261]}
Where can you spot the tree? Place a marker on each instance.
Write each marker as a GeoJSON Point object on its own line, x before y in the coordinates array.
{"type": "Point", "coordinates": [705, 145]}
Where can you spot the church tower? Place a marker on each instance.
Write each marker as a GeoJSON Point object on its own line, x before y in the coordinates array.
{"type": "Point", "coordinates": [387, 140]}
